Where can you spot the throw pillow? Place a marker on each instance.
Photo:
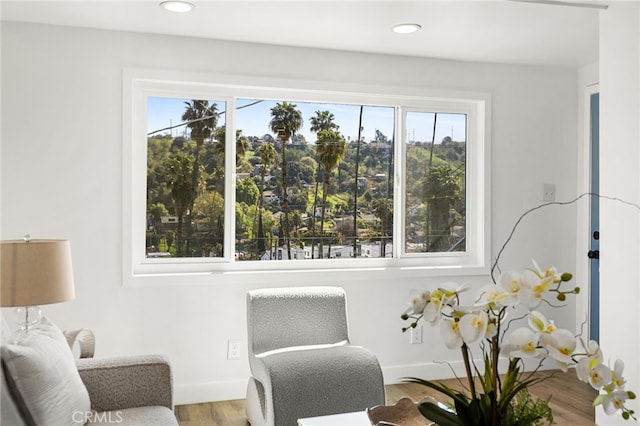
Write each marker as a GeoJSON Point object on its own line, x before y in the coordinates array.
{"type": "Point", "coordinates": [42, 372]}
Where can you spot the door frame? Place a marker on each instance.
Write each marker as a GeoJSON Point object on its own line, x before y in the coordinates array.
{"type": "Point", "coordinates": [583, 222]}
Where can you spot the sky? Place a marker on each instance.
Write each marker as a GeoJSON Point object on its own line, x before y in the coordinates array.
{"type": "Point", "coordinates": [254, 120]}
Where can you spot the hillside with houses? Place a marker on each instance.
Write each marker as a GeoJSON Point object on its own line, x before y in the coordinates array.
{"type": "Point", "coordinates": [332, 197]}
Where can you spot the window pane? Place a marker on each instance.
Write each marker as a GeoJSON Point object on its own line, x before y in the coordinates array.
{"type": "Point", "coordinates": [435, 198]}
{"type": "Point", "coordinates": [185, 177]}
{"type": "Point", "coordinates": [306, 204]}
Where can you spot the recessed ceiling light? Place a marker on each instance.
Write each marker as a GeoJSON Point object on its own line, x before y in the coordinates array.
{"type": "Point", "coordinates": [406, 28]}
{"type": "Point", "coordinates": [177, 6]}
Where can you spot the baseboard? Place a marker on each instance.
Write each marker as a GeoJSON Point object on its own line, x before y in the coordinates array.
{"type": "Point", "coordinates": [196, 393]}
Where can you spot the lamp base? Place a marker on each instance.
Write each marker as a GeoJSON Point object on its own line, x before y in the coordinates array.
{"type": "Point", "coordinates": [28, 317]}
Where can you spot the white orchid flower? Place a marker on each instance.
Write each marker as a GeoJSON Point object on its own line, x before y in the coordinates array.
{"type": "Point", "coordinates": [494, 297]}
{"type": "Point", "coordinates": [491, 330]}
{"type": "Point", "coordinates": [473, 326]}
{"type": "Point", "coordinates": [533, 288]}
{"type": "Point", "coordinates": [551, 273]}
{"type": "Point", "coordinates": [560, 344]}
{"type": "Point", "coordinates": [511, 283]}
{"type": "Point", "coordinates": [440, 298]}
{"type": "Point", "coordinates": [522, 344]}
{"type": "Point", "coordinates": [599, 376]}
{"type": "Point", "coordinates": [614, 401]}
{"type": "Point", "coordinates": [617, 379]}
{"type": "Point", "coordinates": [589, 362]}
{"type": "Point", "coordinates": [451, 333]}
{"type": "Point", "coordinates": [418, 302]}
{"type": "Point", "coordinates": [538, 322]}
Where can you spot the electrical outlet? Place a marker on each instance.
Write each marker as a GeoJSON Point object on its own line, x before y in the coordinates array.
{"type": "Point", "coordinates": [416, 335]}
{"type": "Point", "coordinates": [233, 349]}
{"type": "Point", "coordinates": [548, 192]}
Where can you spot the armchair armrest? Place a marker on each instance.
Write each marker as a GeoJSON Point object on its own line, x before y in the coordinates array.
{"type": "Point", "coordinates": [126, 382]}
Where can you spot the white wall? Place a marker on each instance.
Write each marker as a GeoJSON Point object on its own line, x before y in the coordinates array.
{"type": "Point", "coordinates": [62, 168]}
{"type": "Point", "coordinates": [620, 177]}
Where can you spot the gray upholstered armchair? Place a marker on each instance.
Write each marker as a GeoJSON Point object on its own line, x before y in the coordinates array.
{"type": "Point", "coordinates": [43, 385]}
{"type": "Point", "coordinates": [301, 361]}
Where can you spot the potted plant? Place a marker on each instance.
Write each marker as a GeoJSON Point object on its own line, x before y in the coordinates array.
{"type": "Point", "coordinates": [493, 399]}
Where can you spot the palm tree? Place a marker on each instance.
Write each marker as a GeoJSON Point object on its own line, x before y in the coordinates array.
{"type": "Point", "coordinates": [383, 208]}
{"type": "Point", "coordinates": [330, 149]}
{"type": "Point", "coordinates": [441, 191]}
{"type": "Point", "coordinates": [286, 120]}
{"type": "Point", "coordinates": [201, 118]}
{"type": "Point", "coordinates": [179, 172]}
{"type": "Point", "coordinates": [356, 183]}
{"type": "Point", "coordinates": [267, 155]}
{"type": "Point", "coordinates": [323, 120]}
{"type": "Point", "coordinates": [242, 144]}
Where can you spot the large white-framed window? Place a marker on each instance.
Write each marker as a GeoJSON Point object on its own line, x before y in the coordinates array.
{"type": "Point", "coordinates": [378, 177]}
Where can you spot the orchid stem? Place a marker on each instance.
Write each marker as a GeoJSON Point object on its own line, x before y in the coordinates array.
{"type": "Point", "coordinates": [495, 353]}
{"type": "Point", "coordinates": [467, 367]}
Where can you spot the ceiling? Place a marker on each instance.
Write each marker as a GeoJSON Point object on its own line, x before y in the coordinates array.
{"type": "Point", "coordinates": [492, 31]}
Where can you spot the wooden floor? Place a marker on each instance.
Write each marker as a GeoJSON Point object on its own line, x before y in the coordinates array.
{"type": "Point", "coordinates": [571, 403]}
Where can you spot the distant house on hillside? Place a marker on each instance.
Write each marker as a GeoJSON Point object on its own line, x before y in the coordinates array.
{"type": "Point", "coordinates": [280, 253]}
{"type": "Point", "coordinates": [318, 211]}
{"type": "Point", "coordinates": [270, 197]}
{"type": "Point", "coordinates": [167, 223]}
{"type": "Point", "coordinates": [337, 252]}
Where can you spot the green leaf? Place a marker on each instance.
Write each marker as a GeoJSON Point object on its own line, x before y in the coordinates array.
{"type": "Point", "coordinates": [485, 407]}
{"type": "Point", "coordinates": [486, 380]}
{"type": "Point", "coordinates": [466, 412]}
{"type": "Point", "coordinates": [443, 389]}
{"type": "Point", "coordinates": [507, 396]}
{"type": "Point", "coordinates": [439, 415]}
{"type": "Point", "coordinates": [509, 381]}
{"type": "Point", "coordinates": [598, 400]}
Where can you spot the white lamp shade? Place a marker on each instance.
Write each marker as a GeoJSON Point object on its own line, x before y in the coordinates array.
{"type": "Point", "coordinates": [35, 272]}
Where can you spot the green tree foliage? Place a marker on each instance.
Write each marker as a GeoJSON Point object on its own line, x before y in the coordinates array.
{"type": "Point", "coordinates": [201, 118]}
{"type": "Point", "coordinates": [323, 120]}
{"type": "Point", "coordinates": [242, 147]}
{"type": "Point", "coordinates": [330, 149]}
{"type": "Point", "coordinates": [442, 193]}
{"type": "Point", "coordinates": [180, 172]}
{"type": "Point", "coordinates": [247, 191]}
{"type": "Point", "coordinates": [307, 179]}
{"type": "Point", "coordinates": [383, 209]}
{"type": "Point", "coordinates": [286, 120]}
{"type": "Point", "coordinates": [157, 211]}
{"type": "Point", "coordinates": [267, 154]}
{"type": "Point", "coordinates": [208, 211]}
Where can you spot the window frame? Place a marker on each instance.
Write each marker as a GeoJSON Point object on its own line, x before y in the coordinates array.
{"type": "Point", "coordinates": [139, 84]}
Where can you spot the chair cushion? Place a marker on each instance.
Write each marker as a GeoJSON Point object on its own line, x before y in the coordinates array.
{"type": "Point", "coordinates": [316, 381]}
{"type": "Point", "coordinates": [42, 375]}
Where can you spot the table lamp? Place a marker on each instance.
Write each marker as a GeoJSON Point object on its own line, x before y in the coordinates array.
{"type": "Point", "coordinates": [35, 272]}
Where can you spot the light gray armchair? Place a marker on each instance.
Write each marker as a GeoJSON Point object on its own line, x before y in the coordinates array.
{"type": "Point", "coordinates": [301, 360]}
{"type": "Point", "coordinates": [139, 387]}
{"type": "Point", "coordinates": [43, 385]}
